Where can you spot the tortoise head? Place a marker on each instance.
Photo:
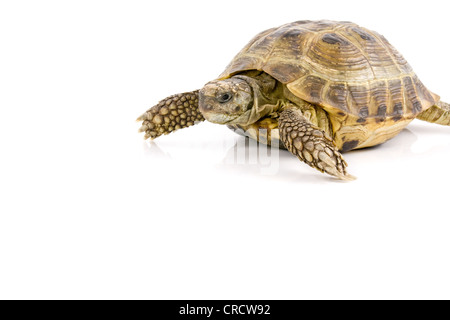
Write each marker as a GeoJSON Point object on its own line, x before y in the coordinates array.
{"type": "Point", "coordinates": [226, 101]}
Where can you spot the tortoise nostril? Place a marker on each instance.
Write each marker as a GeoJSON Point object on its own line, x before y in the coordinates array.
{"type": "Point", "coordinates": [237, 109]}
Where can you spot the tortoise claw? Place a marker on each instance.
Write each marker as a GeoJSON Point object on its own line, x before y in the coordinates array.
{"type": "Point", "coordinates": [143, 128]}
{"type": "Point", "coordinates": [142, 117]}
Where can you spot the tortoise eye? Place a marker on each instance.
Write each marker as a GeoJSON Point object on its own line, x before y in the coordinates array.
{"type": "Point", "coordinates": [225, 97]}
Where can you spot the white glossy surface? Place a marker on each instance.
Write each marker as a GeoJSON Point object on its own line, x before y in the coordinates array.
{"type": "Point", "coordinates": [90, 210]}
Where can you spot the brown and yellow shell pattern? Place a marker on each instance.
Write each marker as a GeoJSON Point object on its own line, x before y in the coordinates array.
{"type": "Point", "coordinates": [365, 85]}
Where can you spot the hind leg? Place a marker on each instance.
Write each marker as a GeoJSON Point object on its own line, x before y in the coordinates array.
{"type": "Point", "coordinates": [439, 113]}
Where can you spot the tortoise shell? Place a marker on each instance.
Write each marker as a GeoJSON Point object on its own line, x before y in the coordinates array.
{"type": "Point", "coordinates": [355, 74]}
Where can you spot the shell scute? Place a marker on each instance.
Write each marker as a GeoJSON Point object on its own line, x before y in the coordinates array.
{"type": "Point", "coordinates": [341, 66]}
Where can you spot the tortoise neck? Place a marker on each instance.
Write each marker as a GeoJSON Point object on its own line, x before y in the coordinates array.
{"type": "Point", "coordinates": [267, 96]}
{"type": "Point", "coordinates": [266, 89]}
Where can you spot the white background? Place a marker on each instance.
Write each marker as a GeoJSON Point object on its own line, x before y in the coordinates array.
{"type": "Point", "coordinates": [89, 210]}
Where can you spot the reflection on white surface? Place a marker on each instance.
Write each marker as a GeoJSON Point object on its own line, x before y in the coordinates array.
{"type": "Point", "coordinates": [151, 149]}
{"type": "Point", "coordinates": [241, 155]}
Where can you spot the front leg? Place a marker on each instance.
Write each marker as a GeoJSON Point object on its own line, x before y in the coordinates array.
{"type": "Point", "coordinates": [173, 113]}
{"type": "Point", "coordinates": [310, 144]}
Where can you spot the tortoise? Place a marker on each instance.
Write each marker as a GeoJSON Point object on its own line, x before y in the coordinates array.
{"type": "Point", "coordinates": [315, 88]}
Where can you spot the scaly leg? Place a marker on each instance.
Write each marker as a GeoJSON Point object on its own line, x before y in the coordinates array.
{"type": "Point", "coordinates": [310, 144]}
{"type": "Point", "coordinates": [440, 114]}
{"type": "Point", "coordinates": [173, 113]}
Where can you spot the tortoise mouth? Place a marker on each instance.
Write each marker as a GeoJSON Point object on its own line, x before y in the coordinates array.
{"type": "Point", "coordinates": [219, 118]}
{"type": "Point", "coordinates": [223, 118]}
